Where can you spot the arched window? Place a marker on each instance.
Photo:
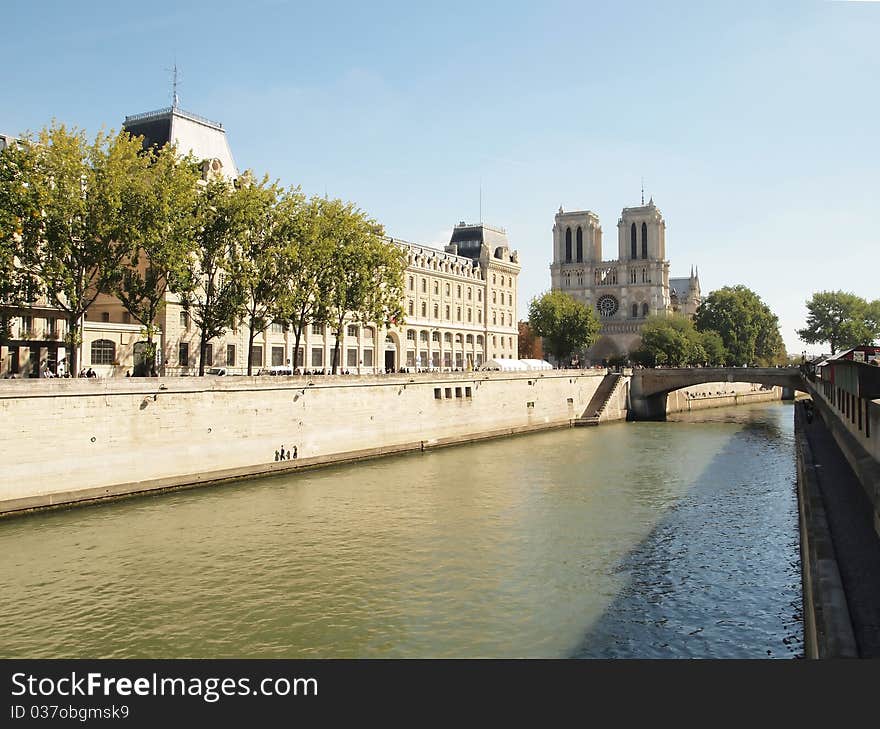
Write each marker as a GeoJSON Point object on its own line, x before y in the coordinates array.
{"type": "Point", "coordinates": [568, 245]}
{"type": "Point", "coordinates": [633, 244]}
{"type": "Point", "coordinates": [644, 240]}
{"type": "Point", "coordinates": [645, 309]}
{"type": "Point", "coordinates": [635, 310]}
{"type": "Point", "coordinates": [580, 245]}
{"type": "Point", "coordinates": [103, 352]}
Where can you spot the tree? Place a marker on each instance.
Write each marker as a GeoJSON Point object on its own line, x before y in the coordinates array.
{"type": "Point", "coordinates": [842, 319]}
{"type": "Point", "coordinates": [213, 287]}
{"type": "Point", "coordinates": [528, 345]}
{"type": "Point", "coordinates": [158, 242]}
{"type": "Point", "coordinates": [67, 200]}
{"type": "Point", "coordinates": [748, 329]}
{"type": "Point", "coordinates": [262, 266]}
{"type": "Point", "coordinates": [366, 272]}
{"type": "Point", "coordinates": [564, 323]}
{"type": "Point", "coordinates": [673, 340]}
{"type": "Point", "coordinates": [305, 256]}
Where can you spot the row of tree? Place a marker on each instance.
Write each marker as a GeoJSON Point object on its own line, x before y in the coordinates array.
{"type": "Point", "coordinates": [78, 219]}
{"type": "Point", "coordinates": [732, 327]}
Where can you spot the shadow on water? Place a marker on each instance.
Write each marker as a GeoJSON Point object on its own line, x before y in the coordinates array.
{"type": "Point", "coordinates": [717, 577]}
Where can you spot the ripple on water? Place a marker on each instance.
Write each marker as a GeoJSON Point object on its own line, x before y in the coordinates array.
{"type": "Point", "coordinates": [651, 539]}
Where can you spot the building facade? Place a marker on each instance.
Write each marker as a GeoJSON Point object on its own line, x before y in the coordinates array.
{"type": "Point", "coordinates": [625, 290]}
{"type": "Point", "coordinates": [459, 303]}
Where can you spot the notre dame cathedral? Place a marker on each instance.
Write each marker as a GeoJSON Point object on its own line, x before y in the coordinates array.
{"type": "Point", "coordinates": [627, 290]}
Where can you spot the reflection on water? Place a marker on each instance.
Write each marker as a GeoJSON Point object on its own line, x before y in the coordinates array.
{"type": "Point", "coordinates": [647, 539]}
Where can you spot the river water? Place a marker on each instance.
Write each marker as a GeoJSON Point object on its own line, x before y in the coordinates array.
{"type": "Point", "coordinates": [650, 540]}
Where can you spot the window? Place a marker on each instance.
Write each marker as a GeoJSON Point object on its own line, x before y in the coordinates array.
{"type": "Point", "coordinates": [438, 393]}
{"type": "Point", "coordinates": [502, 298]}
{"type": "Point", "coordinates": [411, 308]}
{"type": "Point", "coordinates": [470, 339]}
{"type": "Point", "coordinates": [447, 313]}
{"type": "Point", "coordinates": [436, 311]}
{"type": "Point", "coordinates": [644, 240]}
{"type": "Point", "coordinates": [470, 314]}
{"type": "Point", "coordinates": [580, 245]}
{"type": "Point", "coordinates": [277, 328]}
{"type": "Point", "coordinates": [103, 352]}
{"type": "Point", "coordinates": [494, 297]}
{"type": "Point", "coordinates": [27, 326]}
{"type": "Point", "coordinates": [300, 358]}
{"type": "Point", "coordinates": [126, 317]}
{"type": "Point", "coordinates": [424, 309]}
{"type": "Point", "coordinates": [209, 354]}
{"type": "Point", "coordinates": [352, 330]}
{"type": "Point", "coordinates": [436, 288]}
{"type": "Point", "coordinates": [257, 355]}
{"type": "Point", "coordinates": [448, 289]}
{"type": "Point", "coordinates": [351, 357]}
{"type": "Point", "coordinates": [230, 355]}
{"type": "Point", "coordinates": [182, 354]}
{"type": "Point", "coordinates": [184, 320]}
{"type": "Point", "coordinates": [411, 335]}
{"type": "Point", "coordinates": [458, 339]}
{"type": "Point", "coordinates": [479, 294]}
{"type": "Point", "coordinates": [411, 283]}
{"type": "Point", "coordinates": [423, 336]}
{"type": "Point", "coordinates": [632, 275]}
{"type": "Point", "coordinates": [447, 337]}
{"type": "Point", "coordinates": [458, 313]}
{"type": "Point", "coordinates": [494, 318]}
{"type": "Point", "coordinates": [410, 358]}
{"type": "Point", "coordinates": [317, 356]}
{"type": "Point", "coordinates": [458, 392]}
{"type": "Point", "coordinates": [105, 316]}
{"type": "Point", "coordinates": [424, 286]}
{"type": "Point", "coordinates": [458, 292]}
{"type": "Point", "coordinates": [368, 332]}
{"type": "Point", "coordinates": [567, 246]}
{"type": "Point", "coordinates": [645, 309]}
{"type": "Point", "coordinates": [317, 328]}
{"type": "Point", "coordinates": [435, 336]}
{"type": "Point", "coordinates": [635, 310]}
{"type": "Point", "coordinates": [368, 358]}
{"type": "Point", "coordinates": [277, 356]}
{"type": "Point", "coordinates": [479, 316]}
{"type": "Point", "coordinates": [470, 293]}
{"type": "Point", "coordinates": [468, 392]}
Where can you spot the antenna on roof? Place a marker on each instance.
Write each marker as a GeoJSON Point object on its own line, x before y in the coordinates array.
{"type": "Point", "coordinates": [175, 80]}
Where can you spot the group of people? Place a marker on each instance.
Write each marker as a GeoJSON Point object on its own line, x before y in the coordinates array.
{"type": "Point", "coordinates": [284, 455]}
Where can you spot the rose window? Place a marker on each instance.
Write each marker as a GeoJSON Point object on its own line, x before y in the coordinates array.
{"type": "Point", "coordinates": [607, 305]}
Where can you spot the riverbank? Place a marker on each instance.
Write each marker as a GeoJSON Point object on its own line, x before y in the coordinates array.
{"type": "Point", "coordinates": [80, 441]}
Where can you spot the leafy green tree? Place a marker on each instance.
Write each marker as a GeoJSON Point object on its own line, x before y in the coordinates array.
{"type": "Point", "coordinates": [366, 279]}
{"type": "Point", "coordinates": [713, 346]}
{"type": "Point", "coordinates": [67, 200]}
{"type": "Point", "coordinates": [262, 265]}
{"type": "Point", "coordinates": [673, 341]}
{"type": "Point", "coordinates": [306, 261]}
{"type": "Point", "coordinates": [158, 239]}
{"type": "Point", "coordinates": [564, 323]}
{"type": "Point", "coordinates": [214, 293]}
{"type": "Point", "coordinates": [749, 330]}
{"type": "Point", "coordinates": [842, 319]}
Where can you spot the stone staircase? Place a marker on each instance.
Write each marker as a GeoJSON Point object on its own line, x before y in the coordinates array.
{"type": "Point", "coordinates": [599, 400]}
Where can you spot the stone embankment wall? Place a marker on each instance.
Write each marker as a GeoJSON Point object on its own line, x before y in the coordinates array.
{"type": "Point", "coordinates": [719, 394]}
{"type": "Point", "coordinates": [75, 440]}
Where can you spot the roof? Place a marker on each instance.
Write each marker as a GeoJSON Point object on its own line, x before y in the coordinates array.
{"type": "Point", "coordinates": [681, 287]}
{"type": "Point", "coordinates": [206, 139]}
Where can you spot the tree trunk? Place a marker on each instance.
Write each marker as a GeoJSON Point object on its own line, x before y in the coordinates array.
{"type": "Point", "coordinates": [336, 348]}
{"type": "Point", "coordinates": [250, 352]}
{"type": "Point", "coordinates": [203, 346]}
{"type": "Point", "coordinates": [296, 342]}
{"type": "Point", "coordinates": [72, 331]}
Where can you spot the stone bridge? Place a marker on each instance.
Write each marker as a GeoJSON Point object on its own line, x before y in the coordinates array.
{"type": "Point", "coordinates": [649, 387]}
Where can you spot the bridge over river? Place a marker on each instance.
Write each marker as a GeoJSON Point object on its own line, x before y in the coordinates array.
{"type": "Point", "coordinates": [649, 387]}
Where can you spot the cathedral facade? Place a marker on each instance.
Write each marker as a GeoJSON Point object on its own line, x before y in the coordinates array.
{"type": "Point", "coordinates": [624, 291]}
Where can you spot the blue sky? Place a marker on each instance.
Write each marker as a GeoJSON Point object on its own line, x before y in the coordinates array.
{"type": "Point", "coordinates": [754, 126]}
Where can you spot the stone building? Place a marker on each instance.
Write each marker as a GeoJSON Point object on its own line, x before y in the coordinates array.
{"type": "Point", "coordinates": [626, 290]}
